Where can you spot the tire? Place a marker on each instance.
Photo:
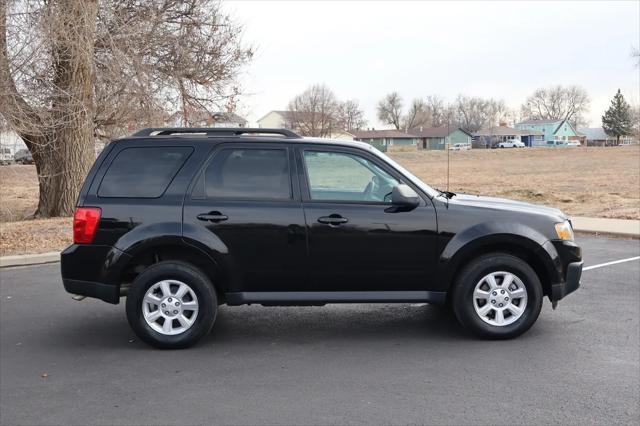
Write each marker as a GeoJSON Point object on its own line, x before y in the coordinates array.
{"type": "Point", "coordinates": [183, 329]}
{"type": "Point", "coordinates": [475, 280]}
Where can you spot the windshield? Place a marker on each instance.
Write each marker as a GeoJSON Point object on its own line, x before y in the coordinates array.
{"type": "Point", "coordinates": [414, 179]}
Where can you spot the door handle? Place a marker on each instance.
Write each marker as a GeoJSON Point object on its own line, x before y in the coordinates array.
{"type": "Point", "coordinates": [212, 217]}
{"type": "Point", "coordinates": [334, 219]}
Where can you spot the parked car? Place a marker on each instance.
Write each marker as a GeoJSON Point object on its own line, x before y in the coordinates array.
{"type": "Point", "coordinates": [6, 156]}
{"type": "Point", "coordinates": [182, 220]}
{"type": "Point", "coordinates": [511, 143]}
{"type": "Point", "coordinates": [23, 156]}
{"type": "Point", "coordinates": [573, 143]}
{"type": "Point", "coordinates": [460, 147]}
{"type": "Point", "coordinates": [556, 144]}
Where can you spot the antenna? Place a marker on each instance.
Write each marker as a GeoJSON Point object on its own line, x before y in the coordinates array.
{"type": "Point", "coordinates": [446, 146]}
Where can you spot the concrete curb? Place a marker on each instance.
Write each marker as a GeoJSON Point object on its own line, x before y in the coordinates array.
{"type": "Point", "coordinates": [615, 227]}
{"type": "Point", "coordinates": [619, 227]}
{"type": "Point", "coordinates": [29, 259]}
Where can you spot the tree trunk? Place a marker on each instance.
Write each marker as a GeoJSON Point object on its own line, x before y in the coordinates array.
{"type": "Point", "coordinates": [72, 139]}
{"type": "Point", "coordinates": [61, 138]}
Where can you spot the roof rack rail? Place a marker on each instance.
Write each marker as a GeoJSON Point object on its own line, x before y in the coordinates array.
{"type": "Point", "coordinates": [215, 131]}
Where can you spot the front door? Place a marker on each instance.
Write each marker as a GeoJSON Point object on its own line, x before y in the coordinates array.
{"type": "Point", "coordinates": [356, 241]}
{"type": "Point", "coordinates": [246, 205]}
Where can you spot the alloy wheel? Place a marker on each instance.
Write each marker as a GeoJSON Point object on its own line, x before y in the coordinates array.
{"type": "Point", "coordinates": [170, 307]}
{"type": "Point", "coordinates": [500, 298]}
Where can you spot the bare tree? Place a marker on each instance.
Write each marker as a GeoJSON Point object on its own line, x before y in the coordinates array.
{"type": "Point", "coordinates": [474, 113]}
{"type": "Point", "coordinates": [635, 121]}
{"type": "Point", "coordinates": [437, 110]}
{"type": "Point", "coordinates": [390, 110]}
{"type": "Point", "coordinates": [418, 115]}
{"type": "Point", "coordinates": [315, 111]}
{"type": "Point", "coordinates": [57, 123]}
{"type": "Point", "coordinates": [74, 70]}
{"type": "Point", "coordinates": [558, 103]}
{"type": "Point", "coordinates": [350, 116]}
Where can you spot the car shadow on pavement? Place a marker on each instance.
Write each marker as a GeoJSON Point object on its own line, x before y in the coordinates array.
{"type": "Point", "coordinates": [335, 323]}
{"type": "Point", "coordinates": [253, 324]}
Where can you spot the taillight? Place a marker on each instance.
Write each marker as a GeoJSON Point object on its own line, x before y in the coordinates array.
{"type": "Point", "coordinates": [85, 224]}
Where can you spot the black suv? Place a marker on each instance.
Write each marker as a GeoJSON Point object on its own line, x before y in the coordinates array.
{"type": "Point", "coordinates": [183, 220]}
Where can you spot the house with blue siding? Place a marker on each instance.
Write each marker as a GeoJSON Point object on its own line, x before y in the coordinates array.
{"type": "Point", "coordinates": [490, 136]}
{"type": "Point", "coordinates": [553, 130]}
{"type": "Point", "coordinates": [384, 139]}
{"type": "Point", "coordinates": [441, 137]}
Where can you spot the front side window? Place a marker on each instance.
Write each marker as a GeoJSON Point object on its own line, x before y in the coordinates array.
{"type": "Point", "coordinates": [249, 174]}
{"type": "Point", "coordinates": [340, 176]}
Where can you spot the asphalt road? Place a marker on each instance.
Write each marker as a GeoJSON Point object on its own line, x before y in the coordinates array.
{"type": "Point", "coordinates": [67, 362]}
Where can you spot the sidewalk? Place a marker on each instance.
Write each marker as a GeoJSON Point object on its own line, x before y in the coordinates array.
{"type": "Point", "coordinates": [622, 227]}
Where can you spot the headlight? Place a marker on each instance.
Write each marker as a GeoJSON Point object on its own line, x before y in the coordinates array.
{"type": "Point", "coordinates": [564, 231]}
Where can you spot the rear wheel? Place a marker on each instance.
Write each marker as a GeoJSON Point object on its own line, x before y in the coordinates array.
{"type": "Point", "coordinates": [497, 296]}
{"type": "Point", "coordinates": [171, 305]}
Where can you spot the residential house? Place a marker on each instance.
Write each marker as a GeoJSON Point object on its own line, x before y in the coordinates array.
{"type": "Point", "coordinates": [206, 119]}
{"type": "Point", "coordinates": [553, 130]}
{"type": "Point", "coordinates": [276, 120]}
{"type": "Point", "coordinates": [440, 137]}
{"type": "Point", "coordinates": [489, 136]}
{"type": "Point", "coordinates": [596, 136]}
{"type": "Point", "coordinates": [386, 139]}
{"type": "Point", "coordinates": [342, 135]}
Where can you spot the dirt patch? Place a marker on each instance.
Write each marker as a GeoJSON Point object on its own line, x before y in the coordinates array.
{"type": "Point", "coordinates": [592, 182]}
{"type": "Point", "coordinates": [18, 192]}
{"type": "Point", "coordinates": [35, 236]}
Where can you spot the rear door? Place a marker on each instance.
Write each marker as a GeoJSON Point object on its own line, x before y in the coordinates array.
{"type": "Point", "coordinates": [246, 205]}
{"type": "Point", "coordinates": [356, 241]}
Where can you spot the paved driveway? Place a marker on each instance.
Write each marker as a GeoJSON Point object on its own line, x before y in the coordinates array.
{"type": "Point", "coordinates": [336, 364]}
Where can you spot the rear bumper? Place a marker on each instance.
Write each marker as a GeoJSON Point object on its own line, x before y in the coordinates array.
{"type": "Point", "coordinates": [93, 271]}
{"type": "Point", "coordinates": [571, 283]}
{"type": "Point", "coordinates": [105, 292]}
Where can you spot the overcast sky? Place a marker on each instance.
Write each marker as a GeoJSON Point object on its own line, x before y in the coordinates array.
{"type": "Point", "coordinates": [365, 49]}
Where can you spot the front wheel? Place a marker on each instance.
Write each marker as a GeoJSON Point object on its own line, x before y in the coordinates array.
{"type": "Point", "coordinates": [497, 296]}
{"type": "Point", "coordinates": [171, 305]}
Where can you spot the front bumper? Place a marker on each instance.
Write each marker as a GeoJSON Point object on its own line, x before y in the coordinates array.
{"type": "Point", "coordinates": [571, 283]}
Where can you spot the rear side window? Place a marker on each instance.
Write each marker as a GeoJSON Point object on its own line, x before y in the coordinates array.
{"type": "Point", "coordinates": [143, 172]}
{"type": "Point", "coordinates": [248, 174]}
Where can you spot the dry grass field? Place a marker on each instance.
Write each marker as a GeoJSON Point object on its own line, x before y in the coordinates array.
{"type": "Point", "coordinates": [594, 182]}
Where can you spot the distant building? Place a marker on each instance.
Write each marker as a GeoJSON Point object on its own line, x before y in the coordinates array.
{"type": "Point", "coordinates": [206, 119]}
{"type": "Point", "coordinates": [385, 139]}
{"type": "Point", "coordinates": [489, 136]}
{"type": "Point", "coordinates": [342, 135]}
{"type": "Point", "coordinates": [596, 136]}
{"type": "Point", "coordinates": [553, 130]}
{"type": "Point", "coordinates": [440, 137]}
{"type": "Point", "coordinates": [10, 140]}
{"type": "Point", "coordinates": [276, 120]}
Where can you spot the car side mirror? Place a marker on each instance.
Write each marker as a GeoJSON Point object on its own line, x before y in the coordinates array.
{"type": "Point", "coordinates": [403, 198]}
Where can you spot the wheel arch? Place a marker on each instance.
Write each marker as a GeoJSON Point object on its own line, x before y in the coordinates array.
{"type": "Point", "coordinates": [530, 248]}
{"type": "Point", "coordinates": [148, 253]}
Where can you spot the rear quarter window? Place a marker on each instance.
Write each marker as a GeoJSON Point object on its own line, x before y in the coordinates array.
{"type": "Point", "coordinates": [143, 172]}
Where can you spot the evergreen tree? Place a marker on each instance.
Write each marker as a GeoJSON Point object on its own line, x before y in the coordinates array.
{"type": "Point", "coordinates": [617, 120]}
